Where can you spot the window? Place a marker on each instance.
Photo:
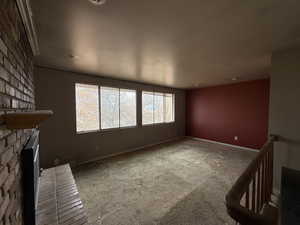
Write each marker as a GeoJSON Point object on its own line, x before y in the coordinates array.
{"type": "Point", "coordinates": [148, 108]}
{"type": "Point", "coordinates": [127, 108]}
{"type": "Point", "coordinates": [87, 107]}
{"type": "Point", "coordinates": [110, 108]}
{"type": "Point", "coordinates": [118, 108]}
{"type": "Point", "coordinates": [169, 107]}
{"type": "Point", "coordinates": [157, 108]}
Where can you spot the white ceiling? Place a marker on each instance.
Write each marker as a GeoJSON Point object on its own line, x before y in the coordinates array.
{"type": "Point", "coordinates": [173, 43]}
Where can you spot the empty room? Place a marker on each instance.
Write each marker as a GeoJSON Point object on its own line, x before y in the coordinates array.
{"type": "Point", "coordinates": [140, 112]}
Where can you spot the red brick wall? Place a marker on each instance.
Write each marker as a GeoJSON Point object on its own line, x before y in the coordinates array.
{"type": "Point", "coordinates": [16, 94]}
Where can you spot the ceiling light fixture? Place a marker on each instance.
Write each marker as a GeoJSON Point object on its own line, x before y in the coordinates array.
{"type": "Point", "coordinates": [73, 56]}
{"type": "Point", "coordinates": [98, 2]}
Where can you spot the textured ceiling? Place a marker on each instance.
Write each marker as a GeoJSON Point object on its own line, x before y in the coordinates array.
{"type": "Point", "coordinates": [173, 43]}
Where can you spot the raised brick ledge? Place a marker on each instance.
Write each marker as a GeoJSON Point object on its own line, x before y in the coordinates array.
{"type": "Point", "coordinates": [59, 201]}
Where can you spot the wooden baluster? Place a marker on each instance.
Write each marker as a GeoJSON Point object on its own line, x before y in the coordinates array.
{"type": "Point", "coordinates": [271, 168]}
{"type": "Point", "coordinates": [259, 188]}
{"type": "Point", "coordinates": [263, 182]}
{"type": "Point", "coordinates": [253, 194]}
{"type": "Point", "coordinates": [247, 198]}
{"type": "Point", "coordinates": [266, 178]}
{"type": "Point", "coordinates": [257, 192]}
{"type": "Point", "coordinates": [269, 177]}
{"type": "Point", "coordinates": [254, 188]}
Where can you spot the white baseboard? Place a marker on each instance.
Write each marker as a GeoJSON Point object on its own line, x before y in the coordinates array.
{"type": "Point", "coordinates": [224, 144]}
{"type": "Point", "coordinates": [129, 151]}
{"type": "Point", "coordinates": [162, 142]}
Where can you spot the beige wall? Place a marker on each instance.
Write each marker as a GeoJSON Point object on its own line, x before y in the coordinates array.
{"type": "Point", "coordinates": [285, 110]}
{"type": "Point", "coordinates": [55, 90]}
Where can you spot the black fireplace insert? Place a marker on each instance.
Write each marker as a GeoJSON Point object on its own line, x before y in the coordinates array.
{"type": "Point", "coordinates": [31, 173]}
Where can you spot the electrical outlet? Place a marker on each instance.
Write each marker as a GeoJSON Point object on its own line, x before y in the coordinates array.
{"type": "Point", "coordinates": [236, 138]}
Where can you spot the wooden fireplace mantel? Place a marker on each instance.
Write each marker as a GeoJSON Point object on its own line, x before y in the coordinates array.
{"type": "Point", "coordinates": [26, 120]}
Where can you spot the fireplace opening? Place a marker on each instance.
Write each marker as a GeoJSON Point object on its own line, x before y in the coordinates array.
{"type": "Point", "coordinates": [31, 174]}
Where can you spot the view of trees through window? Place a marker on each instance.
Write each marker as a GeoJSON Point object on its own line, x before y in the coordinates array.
{"type": "Point", "coordinates": [127, 108]}
{"type": "Point", "coordinates": [118, 108]}
{"type": "Point", "coordinates": [87, 107]}
{"type": "Point", "coordinates": [169, 108]}
{"type": "Point", "coordinates": [148, 108]}
{"type": "Point", "coordinates": [157, 108]}
{"type": "Point", "coordinates": [110, 107]}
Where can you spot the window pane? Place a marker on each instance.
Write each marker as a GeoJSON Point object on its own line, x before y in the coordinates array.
{"type": "Point", "coordinates": [169, 113]}
{"type": "Point", "coordinates": [87, 107]}
{"type": "Point", "coordinates": [127, 108]}
{"type": "Point", "coordinates": [158, 108]}
{"type": "Point", "coordinates": [109, 107]}
{"type": "Point", "coordinates": [147, 108]}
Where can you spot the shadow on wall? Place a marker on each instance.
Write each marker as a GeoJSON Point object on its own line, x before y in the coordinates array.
{"type": "Point", "coordinates": [289, 141]}
{"type": "Point", "coordinates": [285, 148]}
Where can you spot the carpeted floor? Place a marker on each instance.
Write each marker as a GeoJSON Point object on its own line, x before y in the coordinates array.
{"type": "Point", "coordinates": [179, 183]}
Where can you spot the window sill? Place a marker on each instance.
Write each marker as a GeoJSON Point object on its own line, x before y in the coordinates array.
{"type": "Point", "coordinates": [123, 128]}
{"type": "Point", "coordinates": [106, 130]}
{"type": "Point", "coordinates": [157, 124]}
{"type": "Point", "coordinates": [117, 129]}
{"type": "Point", "coordinates": [87, 132]}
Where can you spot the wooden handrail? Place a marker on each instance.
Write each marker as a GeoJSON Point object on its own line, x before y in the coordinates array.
{"type": "Point", "coordinates": [254, 189]}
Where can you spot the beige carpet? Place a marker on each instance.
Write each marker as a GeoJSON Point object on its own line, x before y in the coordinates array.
{"type": "Point", "coordinates": [180, 183]}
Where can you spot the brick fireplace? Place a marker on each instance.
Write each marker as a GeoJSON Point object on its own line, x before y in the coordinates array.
{"type": "Point", "coordinates": [16, 94]}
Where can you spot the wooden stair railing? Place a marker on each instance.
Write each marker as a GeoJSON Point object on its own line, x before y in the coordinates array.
{"type": "Point", "coordinates": [248, 201]}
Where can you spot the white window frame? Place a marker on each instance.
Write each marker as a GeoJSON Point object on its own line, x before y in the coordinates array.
{"type": "Point", "coordinates": [100, 108]}
{"type": "Point", "coordinates": [136, 112]}
{"type": "Point", "coordinates": [173, 108]}
{"type": "Point", "coordinates": [100, 94]}
{"type": "Point", "coordinates": [99, 119]}
{"type": "Point", "coordinates": [164, 102]}
{"type": "Point", "coordinates": [119, 128]}
{"type": "Point", "coordinates": [142, 101]}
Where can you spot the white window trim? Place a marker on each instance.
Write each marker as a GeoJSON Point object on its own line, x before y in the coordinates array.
{"type": "Point", "coordinates": [136, 111]}
{"type": "Point", "coordinates": [137, 95]}
{"type": "Point", "coordinates": [173, 110]}
{"type": "Point", "coordinates": [92, 130]}
{"type": "Point", "coordinates": [99, 104]}
{"type": "Point", "coordinates": [173, 105]}
{"type": "Point", "coordinates": [142, 100]}
{"type": "Point", "coordinates": [111, 128]}
{"type": "Point", "coordinates": [119, 128]}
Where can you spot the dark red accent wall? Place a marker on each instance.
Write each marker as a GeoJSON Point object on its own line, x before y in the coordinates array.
{"type": "Point", "coordinates": [220, 113]}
